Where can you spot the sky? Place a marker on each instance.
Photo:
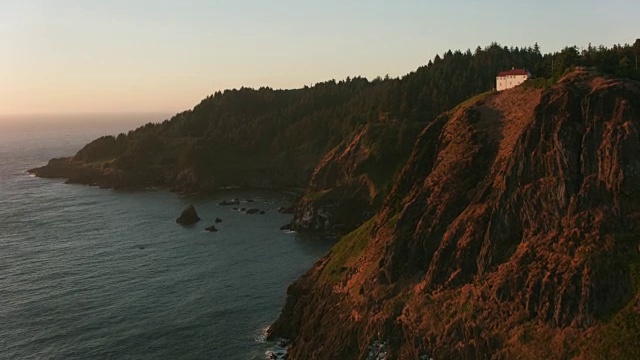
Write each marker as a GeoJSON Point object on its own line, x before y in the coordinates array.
{"type": "Point", "coordinates": [97, 56]}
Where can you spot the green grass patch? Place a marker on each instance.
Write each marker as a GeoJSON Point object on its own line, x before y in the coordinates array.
{"type": "Point", "coordinates": [619, 338]}
{"type": "Point", "coordinates": [347, 249]}
{"type": "Point", "coordinates": [475, 99]}
{"type": "Point", "coordinates": [390, 145]}
{"type": "Point", "coordinates": [539, 83]}
{"type": "Point", "coordinates": [635, 276]}
{"type": "Point", "coordinates": [391, 223]}
{"type": "Point", "coordinates": [101, 163]}
{"type": "Point", "coordinates": [316, 195]}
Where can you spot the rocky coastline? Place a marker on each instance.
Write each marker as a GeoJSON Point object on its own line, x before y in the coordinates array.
{"type": "Point", "coordinates": [505, 228]}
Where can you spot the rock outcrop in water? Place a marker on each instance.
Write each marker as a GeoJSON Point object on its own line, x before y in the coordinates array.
{"type": "Point", "coordinates": [511, 233]}
{"type": "Point", "coordinates": [189, 216]}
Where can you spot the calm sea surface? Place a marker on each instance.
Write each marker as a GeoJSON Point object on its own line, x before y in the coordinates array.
{"type": "Point", "coordinates": [87, 273]}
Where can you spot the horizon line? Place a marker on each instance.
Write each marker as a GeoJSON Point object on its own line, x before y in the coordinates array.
{"type": "Point", "coordinates": [90, 113]}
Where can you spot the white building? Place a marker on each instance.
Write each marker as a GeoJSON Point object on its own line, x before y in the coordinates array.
{"type": "Point", "coordinates": [512, 78]}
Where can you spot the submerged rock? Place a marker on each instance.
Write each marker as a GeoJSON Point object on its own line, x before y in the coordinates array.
{"type": "Point", "coordinates": [229, 202]}
{"type": "Point", "coordinates": [189, 216]}
{"type": "Point", "coordinates": [218, 220]}
{"type": "Point", "coordinates": [252, 211]}
{"type": "Point", "coordinates": [211, 229]}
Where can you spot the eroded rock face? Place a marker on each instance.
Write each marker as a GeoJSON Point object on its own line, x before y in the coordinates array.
{"type": "Point", "coordinates": [349, 184]}
{"type": "Point", "coordinates": [336, 196]}
{"type": "Point", "coordinates": [337, 210]}
{"type": "Point", "coordinates": [512, 232]}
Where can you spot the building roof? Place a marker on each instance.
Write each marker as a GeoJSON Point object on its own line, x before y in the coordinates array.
{"type": "Point", "coordinates": [513, 72]}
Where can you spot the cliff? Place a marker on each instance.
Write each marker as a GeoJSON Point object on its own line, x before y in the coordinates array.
{"type": "Point", "coordinates": [349, 184]}
{"type": "Point", "coordinates": [511, 232]}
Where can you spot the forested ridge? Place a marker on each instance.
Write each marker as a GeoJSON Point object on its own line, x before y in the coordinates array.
{"type": "Point", "coordinates": [273, 130]}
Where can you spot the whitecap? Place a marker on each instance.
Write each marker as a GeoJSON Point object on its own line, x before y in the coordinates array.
{"type": "Point", "coordinates": [261, 338]}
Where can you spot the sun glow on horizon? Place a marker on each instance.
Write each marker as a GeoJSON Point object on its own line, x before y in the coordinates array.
{"type": "Point", "coordinates": [76, 56]}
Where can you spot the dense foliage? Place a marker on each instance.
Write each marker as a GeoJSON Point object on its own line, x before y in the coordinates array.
{"type": "Point", "coordinates": [619, 60]}
{"type": "Point", "coordinates": [274, 129]}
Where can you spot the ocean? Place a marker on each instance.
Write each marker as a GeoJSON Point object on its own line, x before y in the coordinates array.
{"type": "Point", "coordinates": [88, 273]}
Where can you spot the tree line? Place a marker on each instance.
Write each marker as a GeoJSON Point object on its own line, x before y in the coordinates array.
{"type": "Point", "coordinates": [297, 127]}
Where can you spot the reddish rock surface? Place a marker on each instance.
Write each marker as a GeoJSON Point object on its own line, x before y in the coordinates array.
{"type": "Point", "coordinates": [349, 184]}
{"type": "Point", "coordinates": [337, 196]}
{"type": "Point", "coordinates": [512, 232]}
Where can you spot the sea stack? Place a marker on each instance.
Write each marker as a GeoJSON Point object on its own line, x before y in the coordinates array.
{"type": "Point", "coordinates": [189, 216]}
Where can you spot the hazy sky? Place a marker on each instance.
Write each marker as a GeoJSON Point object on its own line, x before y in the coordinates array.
{"type": "Point", "coordinates": [63, 56]}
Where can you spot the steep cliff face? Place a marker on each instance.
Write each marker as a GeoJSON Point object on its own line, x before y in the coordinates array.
{"type": "Point", "coordinates": [512, 232]}
{"type": "Point", "coordinates": [350, 182]}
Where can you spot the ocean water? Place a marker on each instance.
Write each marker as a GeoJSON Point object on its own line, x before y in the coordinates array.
{"type": "Point", "coordinates": [87, 273]}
